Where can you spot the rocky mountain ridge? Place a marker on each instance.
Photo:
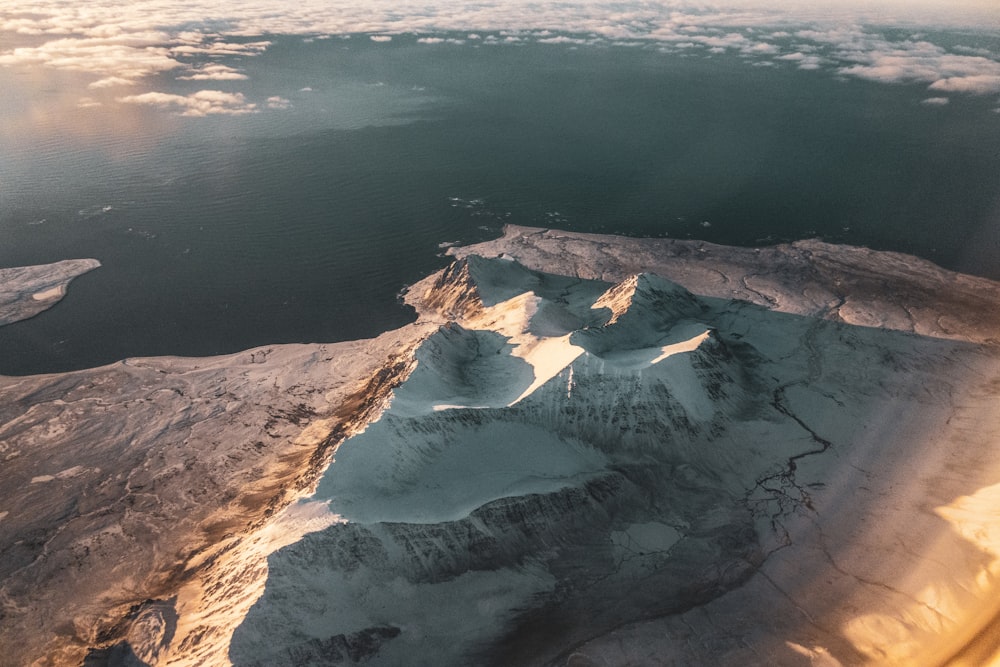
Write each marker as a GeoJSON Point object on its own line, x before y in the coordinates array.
{"type": "Point", "coordinates": [669, 481]}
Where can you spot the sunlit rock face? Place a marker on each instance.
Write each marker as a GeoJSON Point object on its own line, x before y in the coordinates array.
{"type": "Point", "coordinates": [586, 451]}
{"type": "Point", "coordinates": [683, 454]}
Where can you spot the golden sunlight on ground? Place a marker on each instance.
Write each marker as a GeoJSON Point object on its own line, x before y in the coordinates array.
{"type": "Point", "coordinates": [951, 619]}
{"type": "Point", "coordinates": [977, 519]}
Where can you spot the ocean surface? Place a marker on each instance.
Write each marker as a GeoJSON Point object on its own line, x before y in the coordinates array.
{"type": "Point", "coordinates": [302, 222]}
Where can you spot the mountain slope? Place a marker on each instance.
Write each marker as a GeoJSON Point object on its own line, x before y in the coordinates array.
{"type": "Point", "coordinates": [668, 462]}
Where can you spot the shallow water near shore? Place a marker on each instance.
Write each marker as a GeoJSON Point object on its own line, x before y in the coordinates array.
{"type": "Point", "coordinates": [303, 223]}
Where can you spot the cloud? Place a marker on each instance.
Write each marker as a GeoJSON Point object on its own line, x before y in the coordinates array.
{"type": "Point", "coordinates": [611, 20]}
{"type": "Point", "coordinates": [927, 63]}
{"type": "Point", "coordinates": [111, 81]}
{"type": "Point", "coordinates": [440, 40]}
{"type": "Point", "coordinates": [214, 72]}
{"type": "Point", "coordinates": [277, 102]}
{"type": "Point", "coordinates": [122, 57]}
{"type": "Point", "coordinates": [202, 103]}
{"type": "Point", "coordinates": [120, 44]}
{"type": "Point", "coordinates": [733, 40]}
{"type": "Point", "coordinates": [936, 101]}
{"type": "Point", "coordinates": [760, 48]}
{"type": "Point", "coordinates": [973, 51]}
{"type": "Point", "coordinates": [221, 48]}
{"type": "Point", "coordinates": [872, 56]}
{"type": "Point", "coordinates": [563, 39]}
{"type": "Point", "coordinates": [806, 61]}
{"type": "Point", "coordinates": [976, 84]}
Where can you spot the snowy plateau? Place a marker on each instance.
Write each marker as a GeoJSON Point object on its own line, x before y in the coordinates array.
{"type": "Point", "coordinates": [586, 451]}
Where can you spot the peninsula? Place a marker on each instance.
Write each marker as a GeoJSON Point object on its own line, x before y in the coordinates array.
{"type": "Point", "coordinates": [586, 450]}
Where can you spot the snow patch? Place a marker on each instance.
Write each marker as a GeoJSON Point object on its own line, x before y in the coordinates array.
{"type": "Point", "coordinates": [56, 292]}
{"type": "Point", "coordinates": [689, 345]}
{"type": "Point", "coordinates": [641, 539]}
{"type": "Point", "coordinates": [395, 473]}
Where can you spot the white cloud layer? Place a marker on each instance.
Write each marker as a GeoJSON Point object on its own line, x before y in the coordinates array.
{"type": "Point", "coordinates": [112, 82]}
{"type": "Point", "coordinates": [123, 56]}
{"type": "Point", "coordinates": [120, 42]}
{"type": "Point", "coordinates": [202, 103]}
{"type": "Point", "coordinates": [914, 61]}
{"type": "Point", "coordinates": [979, 84]}
{"type": "Point", "coordinates": [805, 61]}
{"type": "Point", "coordinates": [214, 72]}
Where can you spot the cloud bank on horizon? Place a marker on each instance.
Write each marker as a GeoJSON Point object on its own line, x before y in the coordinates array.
{"type": "Point", "coordinates": [122, 44]}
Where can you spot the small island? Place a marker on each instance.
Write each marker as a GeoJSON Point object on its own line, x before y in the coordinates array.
{"type": "Point", "coordinates": [29, 290]}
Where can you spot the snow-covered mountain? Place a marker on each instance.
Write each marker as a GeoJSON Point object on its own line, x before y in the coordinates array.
{"type": "Point", "coordinates": [570, 457]}
{"type": "Point", "coordinates": [564, 461]}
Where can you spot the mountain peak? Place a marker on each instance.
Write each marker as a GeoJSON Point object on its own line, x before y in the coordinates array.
{"type": "Point", "coordinates": [468, 285]}
{"type": "Point", "coordinates": [648, 290]}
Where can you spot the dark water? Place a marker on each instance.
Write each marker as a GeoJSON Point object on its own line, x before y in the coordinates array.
{"type": "Point", "coordinates": [303, 224]}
